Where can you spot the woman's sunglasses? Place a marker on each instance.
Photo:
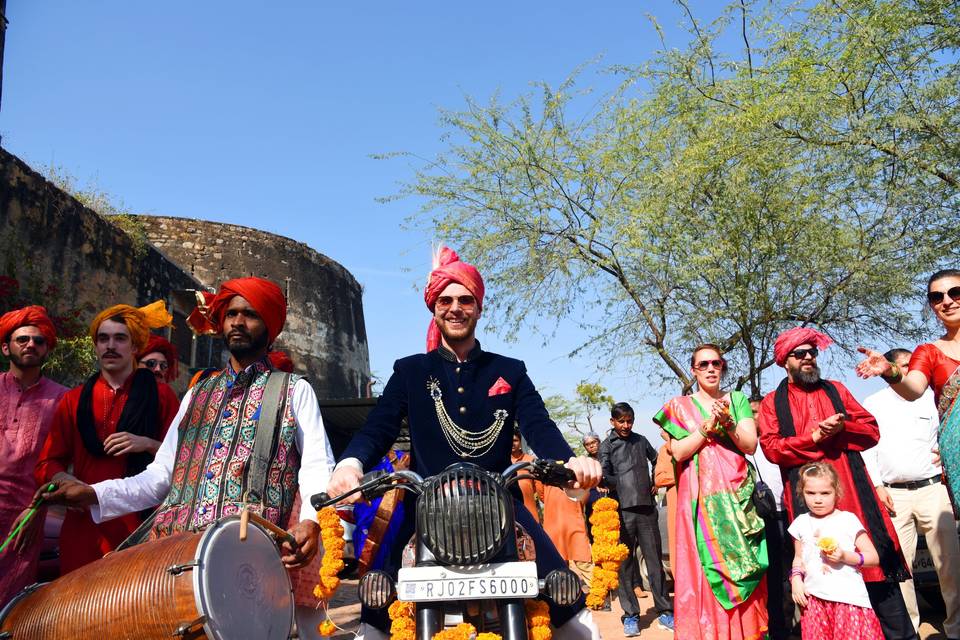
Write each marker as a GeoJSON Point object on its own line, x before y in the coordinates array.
{"type": "Point", "coordinates": [936, 297]}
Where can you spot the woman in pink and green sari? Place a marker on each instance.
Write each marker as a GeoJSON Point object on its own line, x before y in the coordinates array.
{"type": "Point", "coordinates": [721, 553]}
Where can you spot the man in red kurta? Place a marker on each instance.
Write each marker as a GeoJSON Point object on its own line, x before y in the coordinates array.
{"type": "Point", "coordinates": [27, 403]}
{"type": "Point", "coordinates": [808, 419]}
{"type": "Point", "coordinates": [109, 427]}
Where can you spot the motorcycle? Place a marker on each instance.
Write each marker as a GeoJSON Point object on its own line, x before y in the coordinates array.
{"type": "Point", "coordinates": [470, 561]}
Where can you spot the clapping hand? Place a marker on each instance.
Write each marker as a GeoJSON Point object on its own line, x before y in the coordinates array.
{"type": "Point", "coordinates": [832, 425]}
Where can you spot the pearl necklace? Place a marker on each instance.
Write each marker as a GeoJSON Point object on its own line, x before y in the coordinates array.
{"type": "Point", "coordinates": [466, 444]}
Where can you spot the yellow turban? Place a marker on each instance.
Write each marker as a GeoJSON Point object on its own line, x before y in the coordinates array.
{"type": "Point", "coordinates": [139, 321]}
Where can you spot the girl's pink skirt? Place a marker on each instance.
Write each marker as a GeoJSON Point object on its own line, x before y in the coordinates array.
{"type": "Point", "coordinates": [827, 620]}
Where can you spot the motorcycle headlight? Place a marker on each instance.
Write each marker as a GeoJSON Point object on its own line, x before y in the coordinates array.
{"type": "Point", "coordinates": [462, 515]}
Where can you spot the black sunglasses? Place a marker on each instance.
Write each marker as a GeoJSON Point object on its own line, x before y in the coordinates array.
{"type": "Point", "coordinates": [936, 297]}
{"type": "Point", "coordinates": [464, 301]}
{"type": "Point", "coordinates": [37, 340]}
{"type": "Point", "coordinates": [801, 354]}
{"type": "Point", "coordinates": [703, 365]}
{"type": "Point", "coordinates": [153, 364]}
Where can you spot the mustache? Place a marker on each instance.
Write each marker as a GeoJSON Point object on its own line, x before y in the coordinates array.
{"type": "Point", "coordinates": [110, 352]}
{"type": "Point", "coordinates": [238, 333]}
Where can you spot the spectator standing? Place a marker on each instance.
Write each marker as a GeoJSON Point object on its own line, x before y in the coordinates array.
{"type": "Point", "coordinates": [906, 473]}
{"type": "Point", "coordinates": [624, 457]}
{"type": "Point", "coordinates": [808, 419]}
{"type": "Point", "coordinates": [721, 551]}
{"type": "Point", "coordinates": [27, 403]}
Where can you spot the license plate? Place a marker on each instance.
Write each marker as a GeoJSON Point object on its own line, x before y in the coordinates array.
{"type": "Point", "coordinates": [503, 580]}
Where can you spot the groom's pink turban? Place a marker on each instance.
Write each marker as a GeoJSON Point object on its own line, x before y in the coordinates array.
{"type": "Point", "coordinates": [793, 338]}
{"type": "Point", "coordinates": [447, 269]}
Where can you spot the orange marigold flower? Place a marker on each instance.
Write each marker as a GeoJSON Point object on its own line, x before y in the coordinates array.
{"type": "Point", "coordinates": [326, 628]}
{"type": "Point", "coordinates": [488, 636]}
{"type": "Point", "coordinates": [400, 609]}
{"type": "Point", "coordinates": [605, 504]}
{"type": "Point", "coordinates": [541, 633]}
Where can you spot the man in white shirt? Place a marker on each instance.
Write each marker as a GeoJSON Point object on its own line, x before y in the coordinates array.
{"type": "Point", "coordinates": [905, 469]}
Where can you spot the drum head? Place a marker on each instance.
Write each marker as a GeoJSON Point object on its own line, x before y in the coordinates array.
{"type": "Point", "coordinates": [242, 587]}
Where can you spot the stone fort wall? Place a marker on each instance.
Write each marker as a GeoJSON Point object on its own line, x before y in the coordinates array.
{"type": "Point", "coordinates": [324, 334]}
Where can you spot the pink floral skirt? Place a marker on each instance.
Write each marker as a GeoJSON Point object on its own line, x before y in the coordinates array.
{"type": "Point", "coordinates": [827, 620]}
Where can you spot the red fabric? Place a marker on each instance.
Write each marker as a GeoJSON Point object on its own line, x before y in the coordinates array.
{"type": "Point", "coordinates": [35, 316]}
{"type": "Point", "coordinates": [448, 269]}
{"type": "Point", "coordinates": [158, 344]}
{"type": "Point", "coordinates": [280, 361]}
{"type": "Point", "coordinates": [935, 364]}
{"type": "Point", "coordinates": [860, 432]}
{"type": "Point", "coordinates": [826, 620]}
{"type": "Point", "coordinates": [499, 387]}
{"type": "Point", "coordinates": [81, 540]}
{"type": "Point", "coordinates": [264, 296]}
{"type": "Point", "coordinates": [793, 338]}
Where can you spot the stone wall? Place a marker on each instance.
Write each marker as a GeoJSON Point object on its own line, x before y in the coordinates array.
{"type": "Point", "coordinates": [51, 242]}
{"type": "Point", "coordinates": [325, 333]}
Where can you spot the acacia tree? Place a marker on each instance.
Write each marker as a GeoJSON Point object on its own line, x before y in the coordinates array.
{"type": "Point", "coordinates": [809, 179]}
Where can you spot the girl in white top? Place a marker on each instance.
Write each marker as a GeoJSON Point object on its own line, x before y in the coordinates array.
{"type": "Point", "coordinates": [830, 548]}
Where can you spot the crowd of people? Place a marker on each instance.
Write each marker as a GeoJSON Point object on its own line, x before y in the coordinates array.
{"type": "Point", "coordinates": [805, 503]}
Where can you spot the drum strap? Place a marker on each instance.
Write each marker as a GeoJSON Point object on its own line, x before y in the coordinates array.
{"type": "Point", "coordinates": [272, 409]}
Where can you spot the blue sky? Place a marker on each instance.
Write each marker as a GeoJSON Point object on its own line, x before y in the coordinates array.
{"type": "Point", "coordinates": [267, 115]}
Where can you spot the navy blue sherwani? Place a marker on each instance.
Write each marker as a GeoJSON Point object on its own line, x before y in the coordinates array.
{"type": "Point", "coordinates": [466, 389]}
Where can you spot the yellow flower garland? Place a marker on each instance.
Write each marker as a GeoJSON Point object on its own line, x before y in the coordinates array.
{"type": "Point", "coordinates": [331, 537]}
{"type": "Point", "coordinates": [607, 551]}
{"type": "Point", "coordinates": [402, 626]}
{"type": "Point", "coordinates": [538, 619]}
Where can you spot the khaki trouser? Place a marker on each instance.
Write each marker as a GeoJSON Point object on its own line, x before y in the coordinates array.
{"type": "Point", "coordinates": [927, 510]}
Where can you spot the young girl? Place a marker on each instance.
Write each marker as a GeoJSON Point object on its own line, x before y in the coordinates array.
{"type": "Point", "coordinates": [830, 548]}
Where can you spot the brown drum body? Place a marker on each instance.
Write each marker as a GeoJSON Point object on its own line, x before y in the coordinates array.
{"type": "Point", "coordinates": [151, 591]}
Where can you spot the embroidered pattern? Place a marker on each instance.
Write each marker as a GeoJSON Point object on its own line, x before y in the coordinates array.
{"type": "Point", "coordinates": [465, 443]}
{"type": "Point", "coordinates": [209, 479]}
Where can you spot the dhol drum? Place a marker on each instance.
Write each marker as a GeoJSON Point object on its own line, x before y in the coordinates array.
{"type": "Point", "coordinates": [190, 585]}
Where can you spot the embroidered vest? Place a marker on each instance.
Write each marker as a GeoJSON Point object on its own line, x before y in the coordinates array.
{"type": "Point", "coordinates": [216, 439]}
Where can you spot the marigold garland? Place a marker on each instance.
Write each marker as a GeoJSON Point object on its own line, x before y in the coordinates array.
{"type": "Point", "coordinates": [331, 537]}
{"type": "Point", "coordinates": [607, 552]}
{"type": "Point", "coordinates": [402, 626]}
{"type": "Point", "coordinates": [538, 619]}
{"type": "Point", "coordinates": [326, 628]}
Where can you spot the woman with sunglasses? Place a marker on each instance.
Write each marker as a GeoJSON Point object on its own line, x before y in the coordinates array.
{"type": "Point", "coordinates": [935, 364]}
{"type": "Point", "coordinates": [721, 554]}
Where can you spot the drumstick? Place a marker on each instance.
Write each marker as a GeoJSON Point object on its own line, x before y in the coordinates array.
{"type": "Point", "coordinates": [246, 516]}
{"type": "Point", "coordinates": [33, 509]}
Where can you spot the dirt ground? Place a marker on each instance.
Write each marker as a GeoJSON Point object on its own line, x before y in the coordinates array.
{"type": "Point", "coordinates": [345, 612]}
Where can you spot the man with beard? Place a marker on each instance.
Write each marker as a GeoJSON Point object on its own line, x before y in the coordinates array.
{"type": "Point", "coordinates": [206, 469]}
{"type": "Point", "coordinates": [461, 403]}
{"type": "Point", "coordinates": [27, 403]}
{"type": "Point", "coordinates": [109, 427]}
{"type": "Point", "coordinates": [810, 419]}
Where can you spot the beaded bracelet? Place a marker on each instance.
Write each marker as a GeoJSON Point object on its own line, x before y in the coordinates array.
{"type": "Point", "coordinates": [860, 564]}
{"type": "Point", "coordinates": [797, 572]}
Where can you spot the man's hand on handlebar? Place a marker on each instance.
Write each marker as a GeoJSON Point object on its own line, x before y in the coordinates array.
{"type": "Point", "coordinates": [344, 479]}
{"type": "Point", "coordinates": [587, 470]}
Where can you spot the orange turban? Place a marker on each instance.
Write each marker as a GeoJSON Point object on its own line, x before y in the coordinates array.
{"type": "Point", "coordinates": [264, 296]}
{"type": "Point", "coordinates": [793, 338]}
{"type": "Point", "coordinates": [158, 344]}
{"type": "Point", "coordinates": [447, 269]}
{"type": "Point", "coordinates": [32, 316]}
{"type": "Point", "coordinates": [139, 321]}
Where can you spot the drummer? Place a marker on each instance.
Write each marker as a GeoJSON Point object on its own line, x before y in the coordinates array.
{"type": "Point", "coordinates": [202, 471]}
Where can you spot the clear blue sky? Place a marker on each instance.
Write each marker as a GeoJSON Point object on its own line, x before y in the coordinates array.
{"type": "Point", "coordinates": [266, 115]}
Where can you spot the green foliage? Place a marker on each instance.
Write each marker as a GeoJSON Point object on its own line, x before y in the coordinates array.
{"type": "Point", "coordinates": [810, 179]}
{"type": "Point", "coordinates": [72, 361]}
{"type": "Point", "coordinates": [103, 204]}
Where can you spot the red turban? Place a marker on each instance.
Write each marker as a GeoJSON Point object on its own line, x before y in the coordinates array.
{"type": "Point", "coordinates": [157, 344]}
{"type": "Point", "coordinates": [793, 338]}
{"type": "Point", "coordinates": [264, 296]}
{"type": "Point", "coordinates": [447, 269]}
{"type": "Point", "coordinates": [280, 361]}
{"type": "Point", "coordinates": [139, 321]}
{"type": "Point", "coordinates": [32, 316]}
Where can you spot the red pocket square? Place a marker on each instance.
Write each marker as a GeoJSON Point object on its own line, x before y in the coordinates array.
{"type": "Point", "coordinates": [499, 387]}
